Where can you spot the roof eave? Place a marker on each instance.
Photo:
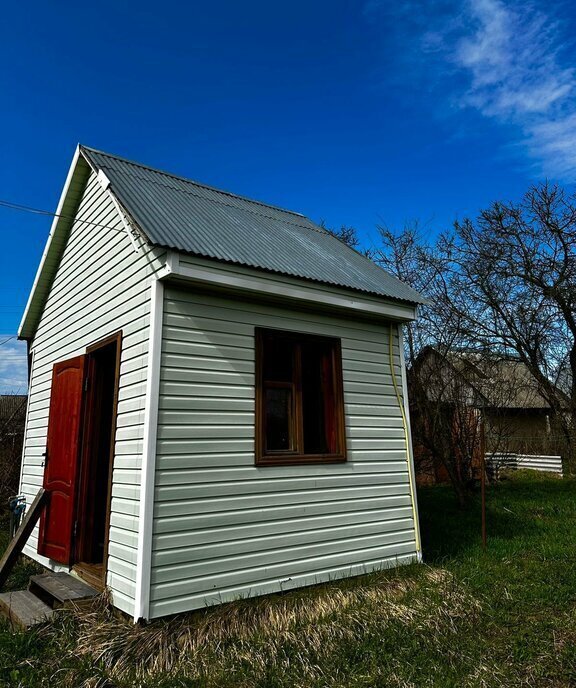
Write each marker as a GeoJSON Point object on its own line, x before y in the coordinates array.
{"type": "Point", "coordinates": [296, 290]}
{"type": "Point", "coordinates": [297, 278]}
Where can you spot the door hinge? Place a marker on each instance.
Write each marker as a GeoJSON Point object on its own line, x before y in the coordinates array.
{"type": "Point", "coordinates": [86, 383]}
{"type": "Point", "coordinates": [75, 529]}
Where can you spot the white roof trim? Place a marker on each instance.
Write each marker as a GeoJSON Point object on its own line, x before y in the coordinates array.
{"type": "Point", "coordinates": [338, 299]}
{"type": "Point", "coordinates": [49, 242]}
{"type": "Point", "coordinates": [132, 233]}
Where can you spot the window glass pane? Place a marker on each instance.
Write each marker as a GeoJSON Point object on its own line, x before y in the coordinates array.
{"type": "Point", "coordinates": [278, 412]}
{"type": "Point", "coordinates": [278, 361]}
{"type": "Point", "coordinates": [318, 403]}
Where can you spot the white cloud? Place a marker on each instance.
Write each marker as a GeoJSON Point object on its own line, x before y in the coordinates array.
{"type": "Point", "coordinates": [505, 60]}
{"type": "Point", "coordinates": [13, 366]}
{"type": "Point", "coordinates": [553, 142]}
{"type": "Point", "coordinates": [512, 56]}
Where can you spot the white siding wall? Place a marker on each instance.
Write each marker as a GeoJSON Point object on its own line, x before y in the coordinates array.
{"type": "Point", "coordinates": [101, 286]}
{"type": "Point", "coordinates": [224, 528]}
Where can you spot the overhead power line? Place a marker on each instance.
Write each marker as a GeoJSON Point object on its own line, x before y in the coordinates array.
{"type": "Point", "coordinates": [38, 211]}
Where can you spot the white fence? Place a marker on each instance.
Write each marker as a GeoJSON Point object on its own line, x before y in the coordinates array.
{"type": "Point", "coordinates": [550, 464]}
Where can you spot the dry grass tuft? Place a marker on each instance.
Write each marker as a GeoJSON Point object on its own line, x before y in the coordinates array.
{"type": "Point", "coordinates": [302, 630]}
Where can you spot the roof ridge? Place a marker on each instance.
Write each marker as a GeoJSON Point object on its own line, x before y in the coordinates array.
{"type": "Point", "coordinates": [318, 258]}
{"type": "Point", "coordinates": [312, 227]}
{"type": "Point", "coordinates": [315, 227]}
{"type": "Point", "coordinates": [194, 182]}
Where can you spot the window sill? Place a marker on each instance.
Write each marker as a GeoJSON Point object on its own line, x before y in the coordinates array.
{"type": "Point", "coordinates": [299, 459]}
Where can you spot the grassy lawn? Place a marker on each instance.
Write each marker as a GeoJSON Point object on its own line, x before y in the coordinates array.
{"type": "Point", "coordinates": [504, 617]}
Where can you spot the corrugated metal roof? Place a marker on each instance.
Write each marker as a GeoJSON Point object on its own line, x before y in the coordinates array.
{"type": "Point", "coordinates": [503, 382]}
{"type": "Point", "coordinates": [187, 216]}
{"type": "Point", "coordinates": [480, 379]}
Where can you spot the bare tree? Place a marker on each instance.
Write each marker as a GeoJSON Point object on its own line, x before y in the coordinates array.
{"type": "Point", "coordinates": [446, 424]}
{"type": "Point", "coordinates": [514, 271]}
{"type": "Point", "coordinates": [347, 235]}
{"type": "Point", "coordinates": [453, 378]}
{"type": "Point", "coordinates": [11, 437]}
{"type": "Point", "coordinates": [499, 287]}
{"type": "Point", "coordinates": [407, 256]}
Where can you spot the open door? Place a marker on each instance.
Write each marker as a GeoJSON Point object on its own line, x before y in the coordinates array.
{"type": "Point", "coordinates": [61, 459]}
{"type": "Point", "coordinates": [97, 453]}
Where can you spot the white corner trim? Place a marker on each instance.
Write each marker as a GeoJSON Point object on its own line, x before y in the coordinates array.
{"type": "Point", "coordinates": [50, 237]}
{"type": "Point", "coordinates": [408, 427]}
{"type": "Point", "coordinates": [171, 265]}
{"type": "Point", "coordinates": [103, 180]}
{"type": "Point", "coordinates": [173, 261]}
{"type": "Point", "coordinates": [25, 436]}
{"type": "Point", "coordinates": [147, 472]}
{"type": "Point", "coordinates": [131, 231]}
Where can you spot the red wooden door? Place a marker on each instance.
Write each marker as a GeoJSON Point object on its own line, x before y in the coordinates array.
{"type": "Point", "coordinates": [61, 462]}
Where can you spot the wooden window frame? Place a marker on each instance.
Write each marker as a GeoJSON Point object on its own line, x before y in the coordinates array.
{"type": "Point", "coordinates": [297, 457]}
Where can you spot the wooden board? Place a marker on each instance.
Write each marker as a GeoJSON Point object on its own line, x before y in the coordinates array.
{"type": "Point", "coordinates": [58, 589]}
{"type": "Point", "coordinates": [22, 608]}
{"type": "Point", "coordinates": [22, 534]}
{"type": "Point", "coordinates": [93, 574]}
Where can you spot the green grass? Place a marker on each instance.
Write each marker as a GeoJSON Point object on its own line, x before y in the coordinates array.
{"type": "Point", "coordinates": [505, 617]}
{"type": "Point", "coordinates": [19, 576]}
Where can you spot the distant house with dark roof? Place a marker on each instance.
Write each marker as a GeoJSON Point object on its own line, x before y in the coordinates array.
{"type": "Point", "coordinates": [217, 396]}
{"type": "Point", "coordinates": [516, 415]}
{"type": "Point", "coordinates": [516, 418]}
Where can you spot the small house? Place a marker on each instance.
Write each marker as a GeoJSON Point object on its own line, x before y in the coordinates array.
{"type": "Point", "coordinates": [492, 406]}
{"type": "Point", "coordinates": [217, 400]}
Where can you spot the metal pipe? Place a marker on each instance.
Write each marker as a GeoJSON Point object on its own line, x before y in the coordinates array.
{"type": "Point", "coordinates": [483, 489]}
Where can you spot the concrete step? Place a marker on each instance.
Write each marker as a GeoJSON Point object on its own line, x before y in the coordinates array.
{"type": "Point", "coordinates": [61, 589]}
{"type": "Point", "coordinates": [23, 609]}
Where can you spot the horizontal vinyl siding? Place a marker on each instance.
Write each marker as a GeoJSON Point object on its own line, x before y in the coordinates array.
{"type": "Point", "coordinates": [224, 528]}
{"type": "Point", "coordinates": [101, 286]}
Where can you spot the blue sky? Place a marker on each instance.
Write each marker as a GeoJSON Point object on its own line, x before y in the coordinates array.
{"type": "Point", "coordinates": [356, 113]}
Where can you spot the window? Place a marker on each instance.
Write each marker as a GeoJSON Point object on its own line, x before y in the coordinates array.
{"type": "Point", "coordinates": [299, 399]}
